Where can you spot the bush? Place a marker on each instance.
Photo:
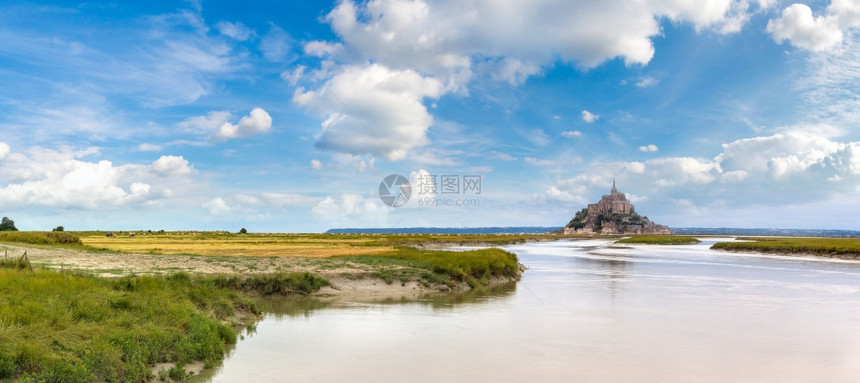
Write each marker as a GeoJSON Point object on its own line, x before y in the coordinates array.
{"type": "Point", "coordinates": [243, 231]}
{"type": "Point", "coordinates": [59, 228]}
{"type": "Point", "coordinates": [7, 224]}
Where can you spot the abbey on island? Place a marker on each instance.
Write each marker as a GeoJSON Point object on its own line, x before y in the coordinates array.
{"type": "Point", "coordinates": [613, 214]}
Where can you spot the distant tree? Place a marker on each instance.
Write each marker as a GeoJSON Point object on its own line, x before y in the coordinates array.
{"type": "Point", "coordinates": [59, 228]}
{"type": "Point", "coordinates": [7, 224]}
{"type": "Point", "coordinates": [243, 231]}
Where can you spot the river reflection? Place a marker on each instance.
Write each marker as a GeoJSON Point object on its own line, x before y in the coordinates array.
{"type": "Point", "coordinates": [584, 311]}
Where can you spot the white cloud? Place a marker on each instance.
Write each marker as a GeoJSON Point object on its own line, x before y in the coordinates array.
{"type": "Point", "coordinates": [217, 207]}
{"type": "Point", "coordinates": [449, 34]}
{"type": "Point", "coordinates": [257, 122]}
{"type": "Point", "coordinates": [647, 81]}
{"type": "Point", "coordinates": [146, 147]}
{"type": "Point", "coordinates": [795, 165]}
{"type": "Point", "coordinates": [276, 44]}
{"type": "Point", "coordinates": [316, 165]}
{"type": "Point", "coordinates": [351, 209]}
{"type": "Point", "coordinates": [649, 148]}
{"type": "Point", "coordinates": [172, 165]}
{"type": "Point", "coordinates": [802, 29]}
{"type": "Point", "coordinates": [61, 179]}
{"type": "Point", "coordinates": [372, 109]}
{"type": "Point", "coordinates": [438, 47]}
{"type": "Point", "coordinates": [572, 133]}
{"type": "Point", "coordinates": [236, 31]}
{"type": "Point", "coordinates": [4, 150]}
{"type": "Point", "coordinates": [207, 124]}
{"type": "Point", "coordinates": [294, 76]}
{"type": "Point", "coordinates": [589, 117]}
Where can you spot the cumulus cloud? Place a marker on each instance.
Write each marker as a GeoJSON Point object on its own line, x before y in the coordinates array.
{"type": "Point", "coordinates": [172, 165]}
{"type": "Point", "coordinates": [816, 33]}
{"type": "Point", "coordinates": [440, 46]}
{"type": "Point", "coordinates": [257, 122]}
{"type": "Point", "coordinates": [796, 164]}
{"type": "Point", "coordinates": [372, 109]}
{"type": "Point", "coordinates": [649, 148]}
{"type": "Point", "coordinates": [589, 117]}
{"type": "Point", "coordinates": [450, 34]}
{"type": "Point", "coordinates": [351, 209]}
{"type": "Point", "coordinates": [802, 29]}
{"type": "Point", "coordinates": [316, 165]}
{"type": "Point", "coordinates": [4, 150]}
{"type": "Point", "coordinates": [63, 179]}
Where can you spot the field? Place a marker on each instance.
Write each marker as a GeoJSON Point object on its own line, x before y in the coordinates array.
{"type": "Point", "coordinates": [848, 248]}
{"type": "Point", "coordinates": [284, 245]}
{"type": "Point", "coordinates": [660, 240]}
{"type": "Point", "coordinates": [265, 245]}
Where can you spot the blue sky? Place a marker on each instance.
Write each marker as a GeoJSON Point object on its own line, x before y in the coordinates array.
{"type": "Point", "coordinates": [285, 116]}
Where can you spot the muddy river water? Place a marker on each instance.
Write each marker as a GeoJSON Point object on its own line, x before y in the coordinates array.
{"type": "Point", "coordinates": [584, 311]}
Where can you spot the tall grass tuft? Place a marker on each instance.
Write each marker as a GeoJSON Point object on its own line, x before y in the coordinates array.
{"type": "Point", "coordinates": [475, 267]}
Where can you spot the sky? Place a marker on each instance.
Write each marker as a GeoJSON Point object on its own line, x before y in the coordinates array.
{"type": "Point", "coordinates": [286, 116]}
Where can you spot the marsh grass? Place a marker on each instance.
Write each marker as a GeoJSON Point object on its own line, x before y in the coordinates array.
{"type": "Point", "coordinates": [848, 247]}
{"type": "Point", "coordinates": [476, 267]}
{"type": "Point", "coordinates": [71, 327]}
{"type": "Point", "coordinates": [40, 238]}
{"type": "Point", "coordinates": [660, 240]}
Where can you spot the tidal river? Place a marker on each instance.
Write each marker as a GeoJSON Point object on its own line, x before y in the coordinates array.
{"type": "Point", "coordinates": [585, 311]}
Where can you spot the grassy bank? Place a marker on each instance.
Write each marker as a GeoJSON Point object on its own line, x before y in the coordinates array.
{"type": "Point", "coordinates": [660, 240]}
{"type": "Point", "coordinates": [476, 267]}
{"type": "Point", "coordinates": [63, 327]}
{"type": "Point", "coordinates": [829, 247]}
{"type": "Point", "coordinates": [59, 238]}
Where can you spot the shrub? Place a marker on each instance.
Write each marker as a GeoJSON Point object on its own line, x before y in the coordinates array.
{"type": "Point", "coordinates": [7, 224]}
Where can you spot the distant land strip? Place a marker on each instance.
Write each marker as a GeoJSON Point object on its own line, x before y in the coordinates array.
{"type": "Point", "coordinates": [546, 229]}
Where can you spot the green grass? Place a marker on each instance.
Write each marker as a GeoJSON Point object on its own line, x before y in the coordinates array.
{"type": "Point", "coordinates": [660, 240]}
{"type": "Point", "coordinates": [71, 327]}
{"type": "Point", "coordinates": [838, 247]}
{"type": "Point", "coordinates": [474, 267]}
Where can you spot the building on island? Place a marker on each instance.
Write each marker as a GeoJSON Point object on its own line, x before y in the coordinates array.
{"type": "Point", "coordinates": [613, 214]}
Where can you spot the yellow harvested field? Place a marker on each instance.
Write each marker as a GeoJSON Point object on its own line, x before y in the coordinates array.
{"type": "Point", "coordinates": [279, 245]}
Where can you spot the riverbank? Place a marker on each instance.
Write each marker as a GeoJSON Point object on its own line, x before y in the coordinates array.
{"type": "Point", "coordinates": [842, 248]}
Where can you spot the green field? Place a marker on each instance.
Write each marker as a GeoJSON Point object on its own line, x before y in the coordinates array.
{"type": "Point", "coordinates": [660, 240]}
{"type": "Point", "coordinates": [830, 247]}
